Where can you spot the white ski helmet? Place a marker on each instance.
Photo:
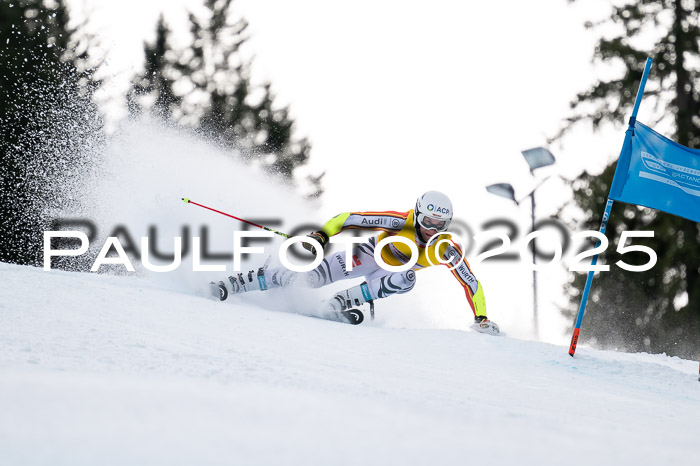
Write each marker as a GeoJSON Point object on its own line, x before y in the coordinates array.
{"type": "Point", "coordinates": [433, 211]}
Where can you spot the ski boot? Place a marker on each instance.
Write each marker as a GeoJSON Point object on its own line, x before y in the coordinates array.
{"type": "Point", "coordinates": [241, 283]}
{"type": "Point", "coordinates": [344, 305]}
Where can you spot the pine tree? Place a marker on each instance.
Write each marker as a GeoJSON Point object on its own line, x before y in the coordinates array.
{"type": "Point", "coordinates": [158, 78]}
{"type": "Point", "coordinates": [47, 119]}
{"type": "Point", "coordinates": [657, 310]}
{"type": "Point", "coordinates": [674, 82]}
{"type": "Point", "coordinates": [222, 102]}
{"type": "Point", "coordinates": [238, 114]}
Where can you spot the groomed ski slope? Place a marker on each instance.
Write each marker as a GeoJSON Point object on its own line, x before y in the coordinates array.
{"type": "Point", "coordinates": [98, 369]}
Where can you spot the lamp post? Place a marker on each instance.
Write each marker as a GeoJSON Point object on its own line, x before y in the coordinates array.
{"type": "Point", "coordinates": [535, 158]}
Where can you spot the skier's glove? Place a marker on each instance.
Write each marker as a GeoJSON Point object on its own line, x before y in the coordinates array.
{"type": "Point", "coordinates": [319, 236]}
{"type": "Point", "coordinates": [483, 325]}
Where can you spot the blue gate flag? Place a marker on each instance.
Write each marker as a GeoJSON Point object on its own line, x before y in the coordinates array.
{"type": "Point", "coordinates": [655, 172]}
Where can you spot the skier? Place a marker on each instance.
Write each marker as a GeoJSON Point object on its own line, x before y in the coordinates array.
{"type": "Point", "coordinates": [424, 226]}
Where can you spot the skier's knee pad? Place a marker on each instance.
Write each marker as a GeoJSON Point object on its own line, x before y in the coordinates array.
{"type": "Point", "coordinates": [398, 282]}
{"type": "Point", "coordinates": [409, 280]}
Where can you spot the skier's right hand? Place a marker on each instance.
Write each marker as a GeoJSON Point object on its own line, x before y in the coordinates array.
{"type": "Point", "coordinates": [319, 236]}
{"type": "Point", "coordinates": [482, 324]}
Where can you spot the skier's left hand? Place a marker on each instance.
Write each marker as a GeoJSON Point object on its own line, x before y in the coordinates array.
{"type": "Point", "coordinates": [319, 236]}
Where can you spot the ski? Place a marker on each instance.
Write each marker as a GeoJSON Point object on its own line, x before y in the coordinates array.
{"type": "Point", "coordinates": [349, 316]}
{"type": "Point", "coordinates": [218, 289]}
{"type": "Point", "coordinates": [353, 316]}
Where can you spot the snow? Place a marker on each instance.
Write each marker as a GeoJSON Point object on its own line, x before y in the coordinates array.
{"type": "Point", "coordinates": [104, 369]}
{"type": "Point", "coordinates": [143, 368]}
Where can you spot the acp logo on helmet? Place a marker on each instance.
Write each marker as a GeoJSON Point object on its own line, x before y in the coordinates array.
{"type": "Point", "coordinates": [438, 209]}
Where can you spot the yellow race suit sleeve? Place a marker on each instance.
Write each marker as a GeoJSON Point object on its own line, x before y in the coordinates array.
{"type": "Point", "coordinates": [464, 275]}
{"type": "Point", "coordinates": [388, 221]}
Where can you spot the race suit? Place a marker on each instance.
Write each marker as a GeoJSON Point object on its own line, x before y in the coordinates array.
{"type": "Point", "coordinates": [382, 283]}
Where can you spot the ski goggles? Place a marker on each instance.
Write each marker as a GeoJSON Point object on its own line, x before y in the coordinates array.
{"type": "Point", "coordinates": [430, 223]}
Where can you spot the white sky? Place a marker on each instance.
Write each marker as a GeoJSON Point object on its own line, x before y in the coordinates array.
{"type": "Point", "coordinates": [401, 97]}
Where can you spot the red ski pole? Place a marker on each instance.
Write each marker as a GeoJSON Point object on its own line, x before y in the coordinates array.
{"type": "Point", "coordinates": [189, 201]}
